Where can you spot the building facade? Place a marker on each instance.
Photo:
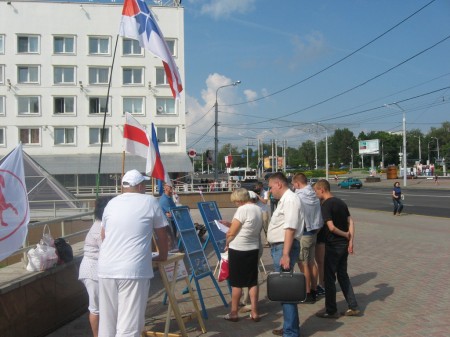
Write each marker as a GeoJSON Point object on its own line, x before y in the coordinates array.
{"type": "Point", "coordinates": [56, 61]}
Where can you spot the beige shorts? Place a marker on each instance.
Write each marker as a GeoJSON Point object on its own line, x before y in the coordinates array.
{"type": "Point", "coordinates": [307, 248]}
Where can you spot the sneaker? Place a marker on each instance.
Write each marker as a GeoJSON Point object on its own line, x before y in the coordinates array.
{"type": "Point", "coordinates": [320, 291]}
{"type": "Point", "coordinates": [278, 332]}
{"type": "Point", "coordinates": [352, 312]}
{"type": "Point", "coordinates": [309, 299]}
{"type": "Point", "coordinates": [324, 314]}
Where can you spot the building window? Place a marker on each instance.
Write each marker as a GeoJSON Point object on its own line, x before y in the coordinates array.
{"type": "Point", "coordinates": [131, 47]}
{"type": "Point", "coordinates": [2, 137]}
{"type": "Point", "coordinates": [132, 76]}
{"type": "Point", "coordinates": [161, 78]}
{"type": "Point", "coordinates": [64, 136]}
{"type": "Point", "coordinates": [28, 44]}
{"type": "Point", "coordinates": [95, 136]}
{"type": "Point", "coordinates": [64, 45]}
{"type": "Point", "coordinates": [28, 105]}
{"type": "Point", "coordinates": [98, 45]}
{"type": "Point", "coordinates": [97, 105]}
{"type": "Point", "coordinates": [2, 44]}
{"type": "Point", "coordinates": [133, 105]}
{"type": "Point", "coordinates": [2, 105]}
{"type": "Point", "coordinates": [165, 106]}
{"type": "Point", "coordinates": [28, 74]}
{"type": "Point", "coordinates": [30, 136]}
{"type": "Point", "coordinates": [63, 75]}
{"type": "Point", "coordinates": [166, 135]}
{"type": "Point", "coordinates": [98, 75]}
{"type": "Point", "coordinates": [171, 46]}
{"type": "Point", "coordinates": [2, 73]}
{"type": "Point", "coordinates": [64, 105]}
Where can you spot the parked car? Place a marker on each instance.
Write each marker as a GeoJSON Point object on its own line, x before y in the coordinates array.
{"type": "Point", "coordinates": [350, 183]}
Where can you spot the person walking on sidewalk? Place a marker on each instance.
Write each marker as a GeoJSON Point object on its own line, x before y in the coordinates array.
{"type": "Point", "coordinates": [285, 229]}
{"type": "Point", "coordinates": [340, 232]}
{"type": "Point", "coordinates": [397, 198]}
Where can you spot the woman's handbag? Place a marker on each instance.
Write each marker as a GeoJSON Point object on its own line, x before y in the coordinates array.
{"type": "Point", "coordinates": [286, 287]}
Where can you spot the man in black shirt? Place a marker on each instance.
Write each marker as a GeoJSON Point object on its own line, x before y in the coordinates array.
{"type": "Point", "coordinates": [340, 232]}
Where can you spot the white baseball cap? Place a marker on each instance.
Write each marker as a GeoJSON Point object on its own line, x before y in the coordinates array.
{"type": "Point", "coordinates": [133, 178]}
{"type": "Point", "coordinates": [252, 195]}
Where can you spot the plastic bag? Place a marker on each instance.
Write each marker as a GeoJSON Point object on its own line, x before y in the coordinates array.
{"type": "Point", "coordinates": [47, 238]}
{"type": "Point", "coordinates": [224, 270]}
{"type": "Point", "coordinates": [41, 258]}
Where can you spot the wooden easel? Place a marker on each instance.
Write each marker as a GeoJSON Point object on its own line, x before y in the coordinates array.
{"type": "Point", "coordinates": [169, 280]}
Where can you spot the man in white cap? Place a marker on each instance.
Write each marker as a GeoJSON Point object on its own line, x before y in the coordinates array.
{"type": "Point", "coordinates": [125, 260]}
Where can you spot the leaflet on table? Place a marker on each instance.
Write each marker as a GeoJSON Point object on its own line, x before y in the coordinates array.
{"type": "Point", "coordinates": [221, 226]}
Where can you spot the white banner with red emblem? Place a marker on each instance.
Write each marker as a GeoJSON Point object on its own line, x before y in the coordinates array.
{"type": "Point", "coordinates": [14, 207]}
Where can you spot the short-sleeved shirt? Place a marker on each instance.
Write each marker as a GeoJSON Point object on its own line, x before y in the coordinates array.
{"type": "Point", "coordinates": [265, 195]}
{"type": "Point", "coordinates": [166, 203]}
{"type": "Point", "coordinates": [126, 252]}
{"type": "Point", "coordinates": [248, 238]}
{"type": "Point", "coordinates": [92, 243]}
{"type": "Point", "coordinates": [336, 210]}
{"type": "Point", "coordinates": [287, 215]}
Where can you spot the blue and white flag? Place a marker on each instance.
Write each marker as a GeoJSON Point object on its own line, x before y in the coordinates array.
{"type": "Point", "coordinates": [14, 207]}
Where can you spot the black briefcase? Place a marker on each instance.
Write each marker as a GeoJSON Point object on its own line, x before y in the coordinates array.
{"type": "Point", "coordinates": [286, 286]}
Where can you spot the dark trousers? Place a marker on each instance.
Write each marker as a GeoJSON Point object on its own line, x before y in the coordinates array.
{"type": "Point", "coordinates": [398, 205]}
{"type": "Point", "coordinates": [336, 256]}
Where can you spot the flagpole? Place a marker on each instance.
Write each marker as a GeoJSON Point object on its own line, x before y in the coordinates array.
{"type": "Point", "coordinates": [123, 170]}
{"type": "Point", "coordinates": [104, 118]}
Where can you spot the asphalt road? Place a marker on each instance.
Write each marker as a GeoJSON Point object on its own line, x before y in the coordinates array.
{"type": "Point", "coordinates": [429, 202]}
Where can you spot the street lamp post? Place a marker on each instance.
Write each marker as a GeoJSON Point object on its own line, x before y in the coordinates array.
{"type": "Point", "coordinates": [351, 155]}
{"type": "Point", "coordinates": [216, 130]}
{"type": "Point", "coordinates": [437, 145]}
{"type": "Point", "coordinates": [404, 139]}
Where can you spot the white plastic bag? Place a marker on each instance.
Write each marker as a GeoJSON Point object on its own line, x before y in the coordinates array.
{"type": "Point", "coordinates": [41, 258]}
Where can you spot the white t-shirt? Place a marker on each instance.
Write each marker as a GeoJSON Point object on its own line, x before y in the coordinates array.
{"type": "Point", "coordinates": [248, 238]}
{"type": "Point", "coordinates": [288, 214]}
{"type": "Point", "coordinates": [126, 251]}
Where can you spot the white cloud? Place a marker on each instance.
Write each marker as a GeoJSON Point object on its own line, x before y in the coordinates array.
{"type": "Point", "coordinates": [225, 8]}
{"type": "Point", "coordinates": [250, 95]}
{"type": "Point", "coordinates": [307, 48]}
{"type": "Point", "coordinates": [201, 116]}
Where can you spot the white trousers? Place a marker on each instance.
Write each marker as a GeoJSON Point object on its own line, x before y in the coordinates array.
{"type": "Point", "coordinates": [122, 307]}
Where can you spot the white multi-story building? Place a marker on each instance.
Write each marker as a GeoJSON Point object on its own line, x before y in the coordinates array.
{"type": "Point", "coordinates": [55, 65]}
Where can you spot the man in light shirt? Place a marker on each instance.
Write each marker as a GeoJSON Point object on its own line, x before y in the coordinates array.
{"type": "Point", "coordinates": [285, 229]}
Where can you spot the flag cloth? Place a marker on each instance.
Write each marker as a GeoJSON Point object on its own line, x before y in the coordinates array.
{"type": "Point", "coordinates": [137, 142]}
{"type": "Point", "coordinates": [160, 174]}
{"type": "Point", "coordinates": [138, 23]}
{"type": "Point", "coordinates": [14, 207]}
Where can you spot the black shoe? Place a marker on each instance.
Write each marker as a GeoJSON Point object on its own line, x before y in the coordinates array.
{"type": "Point", "coordinates": [309, 299]}
{"type": "Point", "coordinates": [324, 314]}
{"type": "Point", "coordinates": [320, 291]}
{"type": "Point", "coordinates": [314, 294]}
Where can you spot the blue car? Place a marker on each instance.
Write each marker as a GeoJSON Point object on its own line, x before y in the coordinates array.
{"type": "Point", "coordinates": [350, 183]}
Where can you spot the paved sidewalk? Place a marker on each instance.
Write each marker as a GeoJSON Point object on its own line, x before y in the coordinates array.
{"type": "Point", "coordinates": [400, 274]}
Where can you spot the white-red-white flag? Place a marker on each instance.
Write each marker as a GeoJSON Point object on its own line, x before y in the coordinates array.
{"type": "Point", "coordinates": [14, 207]}
{"type": "Point", "coordinates": [138, 142]}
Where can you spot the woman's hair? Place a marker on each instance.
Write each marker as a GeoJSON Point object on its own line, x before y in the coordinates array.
{"type": "Point", "coordinates": [100, 205]}
{"type": "Point", "coordinates": [240, 195]}
{"type": "Point", "coordinates": [395, 184]}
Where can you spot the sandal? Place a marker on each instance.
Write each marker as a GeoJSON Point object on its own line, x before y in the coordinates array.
{"type": "Point", "coordinates": [228, 317]}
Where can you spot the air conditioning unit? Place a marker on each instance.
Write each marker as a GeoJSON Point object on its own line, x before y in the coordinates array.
{"type": "Point", "coordinates": [160, 109]}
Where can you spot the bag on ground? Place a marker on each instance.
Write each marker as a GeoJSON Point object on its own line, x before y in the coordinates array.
{"type": "Point", "coordinates": [223, 268]}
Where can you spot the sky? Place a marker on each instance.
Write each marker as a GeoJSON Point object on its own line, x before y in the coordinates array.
{"type": "Point", "coordinates": [308, 68]}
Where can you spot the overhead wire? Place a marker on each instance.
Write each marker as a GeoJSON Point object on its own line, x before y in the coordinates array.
{"type": "Point", "coordinates": [337, 62]}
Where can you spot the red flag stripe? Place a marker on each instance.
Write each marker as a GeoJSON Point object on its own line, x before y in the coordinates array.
{"type": "Point", "coordinates": [135, 134]}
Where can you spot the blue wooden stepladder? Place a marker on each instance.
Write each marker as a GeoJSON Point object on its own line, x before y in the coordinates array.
{"type": "Point", "coordinates": [210, 212]}
{"type": "Point", "coordinates": [194, 252]}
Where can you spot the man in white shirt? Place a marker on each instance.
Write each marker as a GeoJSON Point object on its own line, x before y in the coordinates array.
{"type": "Point", "coordinates": [125, 260]}
{"type": "Point", "coordinates": [285, 229]}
